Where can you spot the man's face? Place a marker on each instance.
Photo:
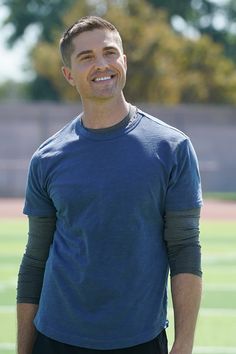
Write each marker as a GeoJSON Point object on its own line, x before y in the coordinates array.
{"type": "Point", "coordinates": [98, 65]}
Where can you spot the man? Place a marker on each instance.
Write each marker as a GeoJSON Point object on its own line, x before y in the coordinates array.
{"type": "Point", "coordinates": [113, 201]}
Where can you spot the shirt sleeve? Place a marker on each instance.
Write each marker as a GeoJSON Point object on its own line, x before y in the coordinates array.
{"type": "Point", "coordinates": [181, 234]}
{"type": "Point", "coordinates": [37, 199]}
{"type": "Point", "coordinates": [184, 187]}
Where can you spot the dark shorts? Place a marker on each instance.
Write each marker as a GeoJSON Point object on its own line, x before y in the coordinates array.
{"type": "Point", "coordinates": [45, 345]}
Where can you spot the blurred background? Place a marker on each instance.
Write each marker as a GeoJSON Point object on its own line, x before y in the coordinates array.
{"type": "Point", "coordinates": [182, 69]}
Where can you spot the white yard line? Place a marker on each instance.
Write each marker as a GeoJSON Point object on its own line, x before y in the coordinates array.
{"type": "Point", "coordinates": [7, 309]}
{"type": "Point", "coordinates": [220, 287]}
{"type": "Point", "coordinates": [196, 350]}
{"type": "Point", "coordinates": [214, 350]}
{"type": "Point", "coordinates": [203, 311]}
{"type": "Point", "coordinates": [212, 312]}
{"type": "Point", "coordinates": [7, 346]}
{"type": "Point", "coordinates": [212, 258]}
{"type": "Point", "coordinates": [218, 312]}
{"type": "Point", "coordinates": [9, 284]}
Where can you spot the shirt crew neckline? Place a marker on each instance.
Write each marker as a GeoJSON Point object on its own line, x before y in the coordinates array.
{"type": "Point", "coordinates": [123, 127]}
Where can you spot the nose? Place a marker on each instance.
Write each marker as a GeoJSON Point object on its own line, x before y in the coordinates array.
{"type": "Point", "coordinates": [101, 63]}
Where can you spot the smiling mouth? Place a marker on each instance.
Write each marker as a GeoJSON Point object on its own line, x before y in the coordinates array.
{"type": "Point", "coordinates": [103, 78]}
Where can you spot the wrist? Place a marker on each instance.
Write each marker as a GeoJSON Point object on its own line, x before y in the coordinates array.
{"type": "Point", "coordinates": [182, 348]}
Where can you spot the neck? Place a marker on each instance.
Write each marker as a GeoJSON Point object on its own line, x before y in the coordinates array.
{"type": "Point", "coordinates": [105, 113]}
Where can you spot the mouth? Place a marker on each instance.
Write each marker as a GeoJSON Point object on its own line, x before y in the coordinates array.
{"type": "Point", "coordinates": [103, 78]}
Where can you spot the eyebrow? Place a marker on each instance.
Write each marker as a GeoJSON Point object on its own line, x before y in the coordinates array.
{"type": "Point", "coordinates": [109, 48]}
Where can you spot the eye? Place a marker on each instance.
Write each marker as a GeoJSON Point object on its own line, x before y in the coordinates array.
{"type": "Point", "coordinates": [86, 57]}
{"type": "Point", "coordinates": [110, 52]}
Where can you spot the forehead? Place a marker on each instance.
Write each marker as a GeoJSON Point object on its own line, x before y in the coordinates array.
{"type": "Point", "coordinates": [96, 39]}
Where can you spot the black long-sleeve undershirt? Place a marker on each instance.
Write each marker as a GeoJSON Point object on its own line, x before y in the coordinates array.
{"type": "Point", "coordinates": [181, 235]}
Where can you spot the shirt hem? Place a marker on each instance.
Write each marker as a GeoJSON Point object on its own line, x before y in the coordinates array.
{"type": "Point", "coordinates": [31, 212]}
{"type": "Point", "coordinates": [101, 344]}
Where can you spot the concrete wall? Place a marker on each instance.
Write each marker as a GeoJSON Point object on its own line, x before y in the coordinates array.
{"type": "Point", "coordinates": [212, 129]}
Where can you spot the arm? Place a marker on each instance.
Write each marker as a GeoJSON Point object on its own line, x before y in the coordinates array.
{"type": "Point", "coordinates": [186, 295]}
{"type": "Point", "coordinates": [26, 331]}
{"type": "Point", "coordinates": [30, 279]}
{"type": "Point", "coordinates": [183, 248]}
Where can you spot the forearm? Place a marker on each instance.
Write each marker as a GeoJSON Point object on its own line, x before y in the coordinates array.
{"type": "Point", "coordinates": [186, 296]}
{"type": "Point", "coordinates": [31, 272]}
{"type": "Point", "coordinates": [26, 332]}
{"type": "Point", "coordinates": [30, 279]}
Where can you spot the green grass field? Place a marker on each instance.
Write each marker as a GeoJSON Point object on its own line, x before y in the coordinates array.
{"type": "Point", "coordinates": [216, 330]}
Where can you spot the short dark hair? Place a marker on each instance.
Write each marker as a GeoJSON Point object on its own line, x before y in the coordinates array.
{"type": "Point", "coordinates": [87, 23]}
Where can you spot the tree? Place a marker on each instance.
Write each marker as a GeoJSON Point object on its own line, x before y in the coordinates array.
{"type": "Point", "coordinates": [212, 18]}
{"type": "Point", "coordinates": [200, 14]}
{"type": "Point", "coordinates": [158, 57]}
{"type": "Point", "coordinates": [208, 76]}
{"type": "Point", "coordinates": [46, 14]}
{"type": "Point", "coordinates": [163, 66]}
{"type": "Point", "coordinates": [11, 90]}
{"type": "Point", "coordinates": [191, 11]}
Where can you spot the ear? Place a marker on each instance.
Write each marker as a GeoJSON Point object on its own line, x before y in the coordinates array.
{"type": "Point", "coordinates": [68, 75]}
{"type": "Point", "coordinates": [125, 60]}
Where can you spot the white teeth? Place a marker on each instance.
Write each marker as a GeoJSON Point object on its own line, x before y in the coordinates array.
{"type": "Point", "coordinates": [103, 78]}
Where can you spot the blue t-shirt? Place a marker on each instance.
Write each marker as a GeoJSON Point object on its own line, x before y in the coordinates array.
{"type": "Point", "coordinates": [106, 275]}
